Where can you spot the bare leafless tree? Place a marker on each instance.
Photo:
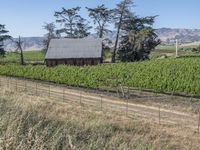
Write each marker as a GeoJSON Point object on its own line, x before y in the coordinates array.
{"type": "Point", "coordinates": [19, 49]}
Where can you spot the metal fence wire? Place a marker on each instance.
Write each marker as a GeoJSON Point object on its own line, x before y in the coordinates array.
{"type": "Point", "coordinates": [126, 107]}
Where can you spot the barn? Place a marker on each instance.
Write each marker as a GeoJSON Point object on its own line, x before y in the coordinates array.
{"type": "Point", "coordinates": [74, 52]}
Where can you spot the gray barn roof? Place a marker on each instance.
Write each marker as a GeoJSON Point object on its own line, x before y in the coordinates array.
{"type": "Point", "coordinates": [74, 48]}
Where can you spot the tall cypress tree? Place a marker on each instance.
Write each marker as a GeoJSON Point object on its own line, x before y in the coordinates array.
{"type": "Point", "coordinates": [51, 34]}
{"type": "Point", "coordinates": [138, 40]}
{"type": "Point", "coordinates": [101, 17]}
{"type": "Point", "coordinates": [82, 28]}
{"type": "Point", "coordinates": [121, 12]}
{"type": "Point", "coordinates": [74, 26]}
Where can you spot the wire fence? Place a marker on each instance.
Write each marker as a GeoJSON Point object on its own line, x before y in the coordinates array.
{"type": "Point", "coordinates": [125, 106]}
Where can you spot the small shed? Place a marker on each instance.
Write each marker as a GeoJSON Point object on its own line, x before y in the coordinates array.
{"type": "Point", "coordinates": [74, 52]}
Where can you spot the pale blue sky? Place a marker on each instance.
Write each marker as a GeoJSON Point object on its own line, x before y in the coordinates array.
{"type": "Point", "coordinates": [26, 17]}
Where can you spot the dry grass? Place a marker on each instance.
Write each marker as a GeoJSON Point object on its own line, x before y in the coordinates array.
{"type": "Point", "coordinates": [30, 122]}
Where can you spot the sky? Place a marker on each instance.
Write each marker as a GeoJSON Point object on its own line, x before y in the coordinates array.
{"type": "Point", "coordinates": [26, 17]}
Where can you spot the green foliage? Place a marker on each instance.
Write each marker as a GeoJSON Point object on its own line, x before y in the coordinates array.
{"type": "Point", "coordinates": [101, 17]}
{"type": "Point", "coordinates": [196, 50]}
{"type": "Point", "coordinates": [2, 51]}
{"type": "Point", "coordinates": [83, 28]}
{"type": "Point", "coordinates": [173, 47]}
{"type": "Point", "coordinates": [3, 37]}
{"type": "Point", "coordinates": [168, 75]}
{"type": "Point", "coordinates": [107, 53]}
{"type": "Point", "coordinates": [140, 39]}
{"type": "Point", "coordinates": [120, 13]}
{"type": "Point", "coordinates": [51, 34]}
{"type": "Point", "coordinates": [74, 26]}
{"type": "Point", "coordinates": [190, 55]}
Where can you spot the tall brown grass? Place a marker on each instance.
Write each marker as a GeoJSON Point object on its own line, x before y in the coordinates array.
{"type": "Point", "coordinates": [30, 122]}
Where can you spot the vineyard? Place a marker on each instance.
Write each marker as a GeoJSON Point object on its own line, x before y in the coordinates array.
{"type": "Point", "coordinates": [168, 75]}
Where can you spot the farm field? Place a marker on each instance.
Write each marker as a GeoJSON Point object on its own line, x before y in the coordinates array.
{"type": "Point", "coordinates": [161, 54]}
{"type": "Point", "coordinates": [35, 122]}
{"type": "Point", "coordinates": [179, 75]}
{"type": "Point", "coordinates": [28, 56]}
{"type": "Point", "coordinates": [183, 47]}
{"type": "Point", "coordinates": [163, 51]}
{"type": "Point", "coordinates": [36, 55]}
{"type": "Point", "coordinates": [173, 48]}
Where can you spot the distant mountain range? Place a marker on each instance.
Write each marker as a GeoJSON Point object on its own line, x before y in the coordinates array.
{"type": "Point", "coordinates": [167, 36]}
{"type": "Point", "coordinates": [29, 43]}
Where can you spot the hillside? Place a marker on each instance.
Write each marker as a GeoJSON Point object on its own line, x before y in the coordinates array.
{"type": "Point", "coordinates": [30, 43]}
{"type": "Point", "coordinates": [167, 35]}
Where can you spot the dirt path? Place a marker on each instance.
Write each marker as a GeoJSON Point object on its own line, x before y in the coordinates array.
{"type": "Point", "coordinates": [127, 107]}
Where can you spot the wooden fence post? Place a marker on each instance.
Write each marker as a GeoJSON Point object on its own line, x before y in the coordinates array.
{"type": "Point", "coordinates": [8, 82]}
{"type": "Point", "coordinates": [127, 108]}
{"type": "Point", "coordinates": [36, 88]}
{"type": "Point", "coordinates": [159, 114]}
{"type": "Point", "coordinates": [16, 84]}
{"type": "Point", "coordinates": [123, 94]}
{"type": "Point", "coordinates": [198, 121]}
{"type": "Point", "coordinates": [63, 94]}
{"type": "Point", "coordinates": [118, 94]}
{"type": "Point", "coordinates": [25, 85]}
{"type": "Point", "coordinates": [128, 92]}
{"type": "Point", "coordinates": [101, 102]}
{"type": "Point", "coordinates": [80, 98]}
{"type": "Point", "coordinates": [49, 90]}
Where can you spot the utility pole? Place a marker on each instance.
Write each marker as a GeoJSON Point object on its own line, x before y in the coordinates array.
{"type": "Point", "coordinates": [176, 48]}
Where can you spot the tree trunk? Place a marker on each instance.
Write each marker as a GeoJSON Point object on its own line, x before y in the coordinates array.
{"type": "Point", "coordinates": [118, 32]}
{"type": "Point", "coordinates": [22, 57]}
{"type": "Point", "coordinates": [21, 52]}
{"type": "Point", "coordinates": [71, 28]}
{"type": "Point", "coordinates": [101, 32]}
{"type": "Point", "coordinates": [116, 41]}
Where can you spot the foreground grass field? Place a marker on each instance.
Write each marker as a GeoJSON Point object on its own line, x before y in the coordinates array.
{"type": "Point", "coordinates": [28, 56]}
{"type": "Point", "coordinates": [31, 122]}
{"type": "Point", "coordinates": [181, 75]}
